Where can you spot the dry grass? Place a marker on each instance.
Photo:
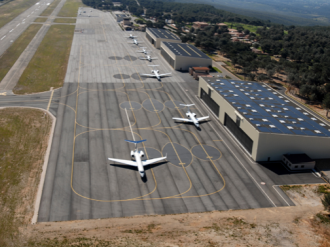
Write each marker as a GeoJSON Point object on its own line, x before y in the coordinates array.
{"type": "Point", "coordinates": [50, 8]}
{"type": "Point", "coordinates": [10, 56]}
{"type": "Point", "coordinates": [24, 137]}
{"type": "Point", "coordinates": [70, 8]}
{"type": "Point", "coordinates": [64, 20]}
{"type": "Point", "coordinates": [48, 66]}
{"type": "Point", "coordinates": [14, 8]}
{"type": "Point", "coordinates": [40, 19]}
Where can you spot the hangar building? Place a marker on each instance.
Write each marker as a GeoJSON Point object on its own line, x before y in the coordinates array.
{"type": "Point", "coordinates": [181, 56]}
{"type": "Point", "coordinates": [264, 122]}
{"type": "Point", "coordinates": [157, 35]}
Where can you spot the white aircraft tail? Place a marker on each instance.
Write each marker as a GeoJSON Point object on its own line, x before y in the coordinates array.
{"type": "Point", "coordinates": [153, 65]}
{"type": "Point", "coordinates": [187, 105]}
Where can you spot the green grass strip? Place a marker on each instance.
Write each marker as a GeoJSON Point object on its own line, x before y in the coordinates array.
{"type": "Point", "coordinates": [50, 8]}
{"type": "Point", "coordinates": [10, 56]}
{"type": "Point", "coordinates": [64, 20]}
{"type": "Point", "coordinates": [48, 66]}
{"type": "Point", "coordinates": [12, 9]}
{"type": "Point", "coordinates": [216, 69]}
{"type": "Point", "coordinates": [40, 20]}
{"type": "Point", "coordinates": [70, 8]}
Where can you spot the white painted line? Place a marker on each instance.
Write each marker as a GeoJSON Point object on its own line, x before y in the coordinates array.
{"type": "Point", "coordinates": [11, 30]}
{"type": "Point", "coordinates": [28, 16]}
{"type": "Point", "coordinates": [24, 20]}
{"type": "Point", "coordinates": [18, 24]}
{"type": "Point", "coordinates": [231, 150]}
{"type": "Point", "coordinates": [281, 195]}
{"type": "Point", "coordinates": [3, 37]}
{"type": "Point", "coordinates": [317, 173]}
{"type": "Point", "coordinates": [130, 124]}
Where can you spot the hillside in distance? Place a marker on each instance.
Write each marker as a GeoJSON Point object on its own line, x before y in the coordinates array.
{"type": "Point", "coordinates": [293, 12]}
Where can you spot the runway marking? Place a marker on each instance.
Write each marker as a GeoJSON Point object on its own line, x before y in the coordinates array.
{"type": "Point", "coordinates": [23, 20]}
{"type": "Point", "coordinates": [50, 100]}
{"type": "Point", "coordinates": [18, 24]}
{"type": "Point", "coordinates": [11, 30]}
{"type": "Point", "coordinates": [3, 37]}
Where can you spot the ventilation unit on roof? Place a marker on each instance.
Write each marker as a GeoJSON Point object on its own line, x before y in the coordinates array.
{"type": "Point", "coordinates": [245, 113]}
{"type": "Point", "coordinates": [231, 91]}
{"type": "Point", "coordinates": [218, 80]}
{"type": "Point", "coordinates": [235, 95]}
{"type": "Point", "coordinates": [270, 98]}
{"type": "Point", "coordinates": [225, 95]}
{"type": "Point", "coordinates": [322, 124]}
{"type": "Point", "coordinates": [285, 109]}
{"type": "Point", "coordinates": [279, 111]}
{"type": "Point", "coordinates": [286, 116]}
{"type": "Point", "coordinates": [237, 86]}
{"type": "Point", "coordinates": [258, 125]}
{"type": "Point", "coordinates": [247, 94]}
{"type": "Point", "coordinates": [248, 105]}
{"type": "Point", "coordinates": [294, 122]}
{"type": "Point", "coordinates": [265, 120]}
{"type": "Point", "coordinates": [274, 115]}
{"type": "Point", "coordinates": [317, 131]}
{"type": "Point", "coordinates": [269, 89]}
{"type": "Point", "coordinates": [267, 110]}
{"type": "Point", "coordinates": [287, 101]}
{"type": "Point", "coordinates": [242, 90]}
{"type": "Point", "coordinates": [259, 90]}
{"type": "Point", "coordinates": [298, 108]}
{"type": "Point", "coordinates": [251, 118]}
{"type": "Point", "coordinates": [232, 82]}
{"type": "Point", "coordinates": [282, 121]}
{"type": "Point", "coordinates": [222, 84]}
{"type": "Point", "coordinates": [280, 97]}
{"type": "Point", "coordinates": [252, 98]}
{"type": "Point", "coordinates": [262, 98]}
{"type": "Point", "coordinates": [254, 110]}
{"type": "Point", "coordinates": [274, 93]}
{"type": "Point", "coordinates": [302, 128]}
{"type": "Point", "coordinates": [249, 83]}
{"type": "Point", "coordinates": [272, 126]}
{"type": "Point", "coordinates": [272, 106]}
{"type": "Point", "coordinates": [305, 113]}
{"type": "Point", "coordinates": [300, 119]}
{"type": "Point", "coordinates": [262, 105]}
{"type": "Point", "coordinates": [239, 107]}
{"type": "Point", "coordinates": [313, 118]}
{"type": "Point", "coordinates": [290, 127]}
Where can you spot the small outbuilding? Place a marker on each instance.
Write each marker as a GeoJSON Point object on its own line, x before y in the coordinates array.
{"type": "Point", "coordinates": [298, 161]}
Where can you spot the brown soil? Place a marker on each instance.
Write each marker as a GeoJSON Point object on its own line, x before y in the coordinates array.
{"type": "Point", "coordinates": [285, 226]}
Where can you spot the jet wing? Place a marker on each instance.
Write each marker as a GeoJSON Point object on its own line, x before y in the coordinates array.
{"type": "Point", "coordinates": [149, 162]}
{"type": "Point", "coordinates": [143, 58]}
{"type": "Point", "coordinates": [183, 119]}
{"type": "Point", "coordinates": [202, 118]}
{"type": "Point", "coordinates": [125, 162]}
{"type": "Point", "coordinates": [165, 74]}
{"type": "Point", "coordinates": [150, 75]}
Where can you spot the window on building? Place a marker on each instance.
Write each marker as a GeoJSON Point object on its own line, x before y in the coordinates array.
{"type": "Point", "coordinates": [295, 166]}
{"type": "Point", "coordinates": [210, 91]}
{"type": "Point", "coordinates": [238, 121]}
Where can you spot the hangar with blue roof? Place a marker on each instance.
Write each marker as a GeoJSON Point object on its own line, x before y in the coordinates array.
{"type": "Point", "coordinates": [264, 122]}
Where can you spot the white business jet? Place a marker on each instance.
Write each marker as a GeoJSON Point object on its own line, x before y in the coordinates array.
{"type": "Point", "coordinates": [144, 50]}
{"type": "Point", "coordinates": [137, 155]}
{"type": "Point", "coordinates": [155, 73]}
{"type": "Point", "coordinates": [148, 57]}
{"type": "Point", "coordinates": [135, 41]}
{"type": "Point", "coordinates": [131, 36]}
{"type": "Point", "coordinates": [191, 117]}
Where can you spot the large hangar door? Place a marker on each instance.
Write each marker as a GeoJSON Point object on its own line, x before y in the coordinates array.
{"type": "Point", "coordinates": [150, 39]}
{"type": "Point", "coordinates": [167, 57]}
{"type": "Point", "coordinates": [210, 102]}
{"type": "Point", "coordinates": [240, 135]}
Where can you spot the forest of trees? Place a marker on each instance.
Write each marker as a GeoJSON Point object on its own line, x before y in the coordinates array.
{"type": "Point", "coordinates": [305, 51]}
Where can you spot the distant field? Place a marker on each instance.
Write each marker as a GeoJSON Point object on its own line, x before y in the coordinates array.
{"type": "Point", "coordinates": [40, 19]}
{"type": "Point", "coordinates": [64, 20]}
{"type": "Point", "coordinates": [11, 10]}
{"type": "Point", "coordinates": [23, 144]}
{"type": "Point", "coordinates": [50, 8]}
{"type": "Point", "coordinates": [10, 56]}
{"type": "Point", "coordinates": [70, 8]}
{"type": "Point", "coordinates": [48, 66]}
{"type": "Point", "coordinates": [234, 25]}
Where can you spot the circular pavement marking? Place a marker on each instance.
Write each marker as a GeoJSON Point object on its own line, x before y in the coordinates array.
{"type": "Point", "coordinates": [115, 58]}
{"type": "Point", "coordinates": [121, 76]}
{"type": "Point", "coordinates": [174, 104]}
{"type": "Point", "coordinates": [185, 157]}
{"type": "Point", "coordinates": [153, 105]}
{"type": "Point", "coordinates": [130, 58]}
{"type": "Point", "coordinates": [205, 152]}
{"type": "Point", "coordinates": [131, 105]}
{"type": "Point", "coordinates": [136, 76]}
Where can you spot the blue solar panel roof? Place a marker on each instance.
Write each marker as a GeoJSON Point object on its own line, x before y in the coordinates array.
{"type": "Point", "coordinates": [267, 109]}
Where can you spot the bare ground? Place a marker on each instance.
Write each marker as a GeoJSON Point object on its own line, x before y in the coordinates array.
{"type": "Point", "coordinates": [285, 226]}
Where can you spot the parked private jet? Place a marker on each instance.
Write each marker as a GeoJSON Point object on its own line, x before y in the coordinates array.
{"type": "Point", "coordinates": [191, 117]}
{"type": "Point", "coordinates": [135, 41]}
{"type": "Point", "coordinates": [144, 50]}
{"type": "Point", "coordinates": [148, 57]}
{"type": "Point", "coordinates": [155, 73]}
{"type": "Point", "coordinates": [131, 36]}
{"type": "Point", "coordinates": [137, 155]}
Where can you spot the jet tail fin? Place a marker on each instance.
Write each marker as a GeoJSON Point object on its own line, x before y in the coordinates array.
{"type": "Point", "coordinates": [135, 142]}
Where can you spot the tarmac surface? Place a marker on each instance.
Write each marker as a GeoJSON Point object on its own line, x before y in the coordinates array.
{"type": "Point", "coordinates": [103, 93]}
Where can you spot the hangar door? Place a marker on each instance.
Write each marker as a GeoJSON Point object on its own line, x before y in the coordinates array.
{"type": "Point", "coordinates": [240, 135]}
{"type": "Point", "coordinates": [150, 39]}
{"type": "Point", "coordinates": [210, 102]}
{"type": "Point", "coordinates": [167, 57]}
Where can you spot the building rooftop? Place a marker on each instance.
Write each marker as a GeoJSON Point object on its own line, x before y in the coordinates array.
{"type": "Point", "coordinates": [298, 158]}
{"type": "Point", "coordinates": [163, 33]}
{"type": "Point", "coordinates": [121, 15]}
{"type": "Point", "coordinates": [183, 49]}
{"type": "Point", "coordinates": [267, 110]}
